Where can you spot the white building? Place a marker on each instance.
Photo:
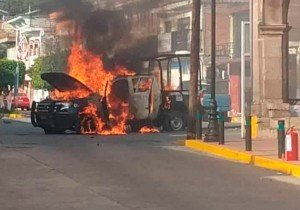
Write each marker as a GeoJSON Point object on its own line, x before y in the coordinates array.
{"type": "Point", "coordinates": [26, 39]}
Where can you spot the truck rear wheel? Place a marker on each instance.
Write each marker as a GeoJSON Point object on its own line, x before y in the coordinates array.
{"type": "Point", "coordinates": [174, 121]}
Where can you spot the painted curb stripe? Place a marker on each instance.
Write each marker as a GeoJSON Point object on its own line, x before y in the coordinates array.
{"type": "Point", "coordinates": [219, 151]}
{"type": "Point", "coordinates": [14, 116]}
{"type": "Point", "coordinates": [243, 157]}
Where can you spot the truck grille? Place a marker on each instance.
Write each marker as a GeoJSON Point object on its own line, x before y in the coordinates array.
{"type": "Point", "coordinates": [44, 107]}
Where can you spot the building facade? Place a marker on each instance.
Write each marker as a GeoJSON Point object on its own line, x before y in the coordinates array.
{"type": "Point", "coordinates": [175, 36]}
{"type": "Point", "coordinates": [275, 64]}
{"type": "Point", "coordinates": [27, 37]}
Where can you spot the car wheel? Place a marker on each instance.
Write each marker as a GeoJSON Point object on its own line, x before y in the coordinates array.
{"type": "Point", "coordinates": [174, 121]}
{"type": "Point", "coordinates": [135, 127]}
{"type": "Point", "coordinates": [87, 125]}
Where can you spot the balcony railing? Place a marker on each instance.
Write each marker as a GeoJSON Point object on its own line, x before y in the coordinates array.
{"type": "Point", "coordinates": [225, 49]}
{"type": "Point", "coordinates": [181, 40]}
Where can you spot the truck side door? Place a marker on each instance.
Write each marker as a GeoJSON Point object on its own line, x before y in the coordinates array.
{"type": "Point", "coordinates": [140, 91]}
{"type": "Point", "coordinates": [155, 99]}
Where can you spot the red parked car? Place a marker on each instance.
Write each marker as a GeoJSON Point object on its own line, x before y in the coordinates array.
{"type": "Point", "coordinates": [22, 102]}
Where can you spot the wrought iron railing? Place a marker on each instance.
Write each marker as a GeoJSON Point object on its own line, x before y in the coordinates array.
{"type": "Point", "coordinates": [225, 49]}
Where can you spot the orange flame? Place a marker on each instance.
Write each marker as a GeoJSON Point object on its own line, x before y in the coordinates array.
{"type": "Point", "coordinates": [148, 129]}
{"type": "Point", "coordinates": [89, 69]}
{"type": "Point", "coordinates": [69, 95]}
{"type": "Point", "coordinates": [89, 122]}
{"type": "Point", "coordinates": [145, 85]}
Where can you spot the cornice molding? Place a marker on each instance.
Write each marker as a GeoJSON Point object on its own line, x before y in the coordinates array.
{"type": "Point", "coordinates": [273, 29]}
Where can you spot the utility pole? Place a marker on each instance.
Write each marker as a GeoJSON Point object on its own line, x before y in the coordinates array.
{"type": "Point", "coordinates": [29, 14]}
{"type": "Point", "coordinates": [16, 86]}
{"type": "Point", "coordinates": [195, 65]}
{"type": "Point", "coordinates": [212, 132]}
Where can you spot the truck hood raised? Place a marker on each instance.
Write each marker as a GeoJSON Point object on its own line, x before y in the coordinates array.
{"type": "Point", "coordinates": [63, 82]}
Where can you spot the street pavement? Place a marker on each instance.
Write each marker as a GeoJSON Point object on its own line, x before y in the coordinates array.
{"type": "Point", "coordinates": [135, 171]}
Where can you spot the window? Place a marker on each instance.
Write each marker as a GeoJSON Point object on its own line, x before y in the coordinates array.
{"type": "Point", "coordinates": [145, 84]}
{"type": "Point", "coordinates": [142, 84]}
{"type": "Point", "coordinates": [183, 24]}
{"type": "Point", "coordinates": [168, 26]}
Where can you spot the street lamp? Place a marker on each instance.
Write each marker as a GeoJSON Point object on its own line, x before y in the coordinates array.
{"type": "Point", "coordinates": [212, 132]}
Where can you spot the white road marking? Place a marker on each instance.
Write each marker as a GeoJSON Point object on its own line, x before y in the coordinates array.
{"type": "Point", "coordinates": [283, 178]}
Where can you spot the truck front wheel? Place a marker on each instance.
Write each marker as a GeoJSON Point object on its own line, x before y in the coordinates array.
{"type": "Point", "coordinates": [174, 121]}
{"type": "Point", "coordinates": [87, 125]}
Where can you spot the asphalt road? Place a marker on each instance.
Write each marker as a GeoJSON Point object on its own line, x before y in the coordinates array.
{"type": "Point", "coordinates": [128, 172]}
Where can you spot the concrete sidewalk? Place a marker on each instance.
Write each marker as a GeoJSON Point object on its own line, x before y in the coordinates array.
{"type": "Point", "coordinates": [23, 116]}
{"type": "Point", "coordinates": [264, 154]}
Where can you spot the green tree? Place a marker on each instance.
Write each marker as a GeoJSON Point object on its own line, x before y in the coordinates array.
{"type": "Point", "coordinates": [51, 63]}
{"type": "Point", "coordinates": [7, 73]}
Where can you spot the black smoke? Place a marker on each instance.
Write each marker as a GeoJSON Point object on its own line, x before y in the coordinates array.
{"type": "Point", "coordinates": [105, 32]}
{"type": "Point", "coordinates": [102, 31]}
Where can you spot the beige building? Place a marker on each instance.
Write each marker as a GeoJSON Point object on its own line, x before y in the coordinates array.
{"type": "Point", "coordinates": [276, 75]}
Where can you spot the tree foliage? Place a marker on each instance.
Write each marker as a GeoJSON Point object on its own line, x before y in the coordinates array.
{"type": "Point", "coordinates": [8, 71]}
{"type": "Point", "coordinates": [51, 63]}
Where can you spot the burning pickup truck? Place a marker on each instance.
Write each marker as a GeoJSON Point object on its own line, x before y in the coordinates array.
{"type": "Point", "coordinates": [89, 112]}
{"type": "Point", "coordinates": [61, 114]}
{"type": "Point", "coordinates": [158, 98]}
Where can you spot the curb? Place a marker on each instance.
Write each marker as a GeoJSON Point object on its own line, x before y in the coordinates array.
{"type": "Point", "coordinates": [14, 116]}
{"type": "Point", "coordinates": [244, 157]}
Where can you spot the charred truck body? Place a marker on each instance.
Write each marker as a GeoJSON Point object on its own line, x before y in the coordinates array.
{"type": "Point", "coordinates": [147, 107]}
{"type": "Point", "coordinates": [57, 116]}
{"type": "Point", "coordinates": [165, 102]}
{"type": "Point", "coordinates": [158, 96]}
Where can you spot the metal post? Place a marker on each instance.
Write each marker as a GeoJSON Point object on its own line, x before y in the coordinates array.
{"type": "Point", "coordinates": [243, 89]}
{"type": "Point", "coordinates": [212, 132]}
{"type": "Point", "coordinates": [16, 92]}
{"type": "Point", "coordinates": [248, 134]}
{"type": "Point", "coordinates": [281, 138]}
{"type": "Point", "coordinates": [244, 53]}
{"type": "Point", "coordinates": [194, 73]}
{"type": "Point", "coordinates": [199, 121]}
{"type": "Point", "coordinates": [221, 129]}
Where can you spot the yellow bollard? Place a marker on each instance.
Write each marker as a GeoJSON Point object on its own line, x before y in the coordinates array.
{"type": "Point", "coordinates": [254, 126]}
